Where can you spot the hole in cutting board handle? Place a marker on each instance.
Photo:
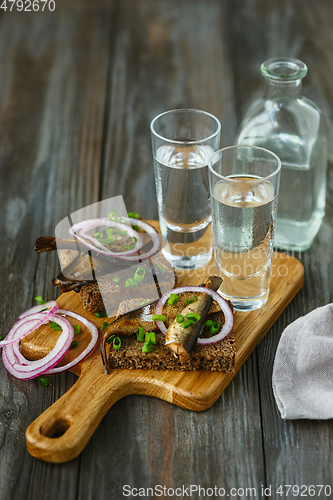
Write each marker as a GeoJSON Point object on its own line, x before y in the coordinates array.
{"type": "Point", "coordinates": [57, 428]}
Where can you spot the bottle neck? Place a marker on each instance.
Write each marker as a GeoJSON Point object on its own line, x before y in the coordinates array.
{"type": "Point", "coordinates": [278, 88]}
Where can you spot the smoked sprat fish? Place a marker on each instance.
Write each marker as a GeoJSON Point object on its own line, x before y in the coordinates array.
{"type": "Point", "coordinates": [181, 340]}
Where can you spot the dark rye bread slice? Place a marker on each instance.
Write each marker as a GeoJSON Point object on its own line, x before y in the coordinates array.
{"type": "Point", "coordinates": [218, 357]}
{"type": "Point", "coordinates": [158, 273]}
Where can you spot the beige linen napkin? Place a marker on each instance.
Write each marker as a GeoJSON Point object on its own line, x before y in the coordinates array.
{"type": "Point", "coordinates": [303, 367]}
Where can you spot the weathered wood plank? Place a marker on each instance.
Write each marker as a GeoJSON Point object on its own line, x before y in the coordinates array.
{"type": "Point", "coordinates": [52, 83]}
{"type": "Point", "coordinates": [295, 452]}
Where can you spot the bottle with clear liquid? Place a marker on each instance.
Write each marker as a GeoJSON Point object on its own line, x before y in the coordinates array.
{"type": "Point", "coordinates": [294, 128]}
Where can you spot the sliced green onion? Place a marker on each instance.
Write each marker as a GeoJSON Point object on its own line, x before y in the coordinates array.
{"type": "Point", "coordinates": [145, 302]}
{"type": "Point", "coordinates": [131, 245]}
{"type": "Point", "coordinates": [109, 232]}
{"type": "Point", "coordinates": [215, 328]}
{"type": "Point", "coordinates": [73, 344]}
{"type": "Point", "coordinates": [161, 267]}
{"type": "Point", "coordinates": [40, 300]}
{"type": "Point", "coordinates": [76, 329]}
{"type": "Point", "coordinates": [109, 241]}
{"type": "Point", "coordinates": [135, 227]}
{"type": "Point", "coordinates": [209, 322]}
{"type": "Point", "coordinates": [179, 318]}
{"type": "Point", "coordinates": [109, 340]}
{"type": "Point", "coordinates": [133, 215]}
{"type": "Point", "coordinates": [101, 314]}
{"type": "Point", "coordinates": [152, 337]}
{"type": "Point", "coordinates": [113, 216]}
{"type": "Point", "coordinates": [118, 231]}
{"type": "Point", "coordinates": [116, 279]}
{"type": "Point", "coordinates": [187, 323]}
{"type": "Point", "coordinates": [190, 300]}
{"type": "Point", "coordinates": [139, 274]}
{"type": "Point", "coordinates": [1, 338]}
{"type": "Point", "coordinates": [55, 326]}
{"type": "Point", "coordinates": [141, 334]}
{"type": "Point", "coordinates": [159, 317]}
{"type": "Point", "coordinates": [131, 282]}
{"type": "Point", "coordinates": [116, 343]}
{"type": "Point", "coordinates": [105, 325]}
{"type": "Point", "coordinates": [44, 381]}
{"type": "Point", "coordinates": [173, 299]}
{"type": "Point", "coordinates": [193, 316]}
{"type": "Point", "coordinates": [147, 347]}
{"type": "Point", "coordinates": [98, 236]}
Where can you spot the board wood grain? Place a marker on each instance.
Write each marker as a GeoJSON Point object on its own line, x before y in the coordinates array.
{"type": "Point", "coordinates": [63, 430]}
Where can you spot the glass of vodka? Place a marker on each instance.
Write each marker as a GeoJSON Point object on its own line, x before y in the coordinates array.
{"type": "Point", "coordinates": [244, 185]}
{"type": "Point", "coordinates": [183, 141]}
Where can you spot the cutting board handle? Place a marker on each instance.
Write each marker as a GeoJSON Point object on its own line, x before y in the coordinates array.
{"type": "Point", "coordinates": [61, 432]}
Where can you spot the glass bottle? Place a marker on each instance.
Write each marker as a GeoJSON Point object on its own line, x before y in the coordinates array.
{"type": "Point", "coordinates": [294, 128]}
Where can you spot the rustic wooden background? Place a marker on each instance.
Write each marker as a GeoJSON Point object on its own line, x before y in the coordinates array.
{"type": "Point", "coordinates": [78, 88]}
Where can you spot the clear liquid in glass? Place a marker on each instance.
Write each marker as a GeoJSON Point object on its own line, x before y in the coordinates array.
{"type": "Point", "coordinates": [243, 226]}
{"type": "Point", "coordinates": [182, 185]}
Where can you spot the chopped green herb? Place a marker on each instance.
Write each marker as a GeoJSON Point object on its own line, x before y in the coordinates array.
{"type": "Point", "coordinates": [55, 326]}
{"type": "Point", "coordinates": [113, 216]}
{"type": "Point", "coordinates": [116, 279]}
{"type": "Point", "coordinates": [1, 338]}
{"type": "Point", "coordinates": [131, 245]}
{"type": "Point", "coordinates": [40, 300]}
{"type": "Point", "coordinates": [193, 316]}
{"type": "Point", "coordinates": [141, 334]}
{"type": "Point", "coordinates": [209, 322]}
{"type": "Point", "coordinates": [173, 299]}
{"type": "Point", "coordinates": [187, 323]}
{"type": "Point", "coordinates": [101, 314]}
{"type": "Point", "coordinates": [105, 325]}
{"type": "Point", "coordinates": [139, 274]}
{"type": "Point", "coordinates": [131, 282]}
{"type": "Point", "coordinates": [98, 236]}
{"type": "Point", "coordinates": [135, 227]}
{"type": "Point", "coordinates": [145, 302]}
{"type": "Point", "coordinates": [76, 329]}
{"type": "Point", "coordinates": [73, 344]}
{"type": "Point", "coordinates": [190, 300]}
{"type": "Point", "coordinates": [109, 233]}
{"type": "Point", "coordinates": [118, 231]}
{"type": "Point", "coordinates": [133, 215]}
{"type": "Point", "coordinates": [147, 347]}
{"type": "Point", "coordinates": [161, 268]}
{"type": "Point", "coordinates": [179, 318]}
{"type": "Point", "coordinates": [215, 328]}
{"type": "Point", "coordinates": [109, 340]}
{"type": "Point", "coordinates": [108, 241]}
{"type": "Point", "coordinates": [44, 381]}
{"type": "Point", "coordinates": [152, 337]}
{"type": "Point", "coordinates": [116, 343]}
{"type": "Point", "coordinates": [159, 317]}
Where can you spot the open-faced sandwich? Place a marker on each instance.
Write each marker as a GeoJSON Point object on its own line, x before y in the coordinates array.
{"type": "Point", "coordinates": [189, 328]}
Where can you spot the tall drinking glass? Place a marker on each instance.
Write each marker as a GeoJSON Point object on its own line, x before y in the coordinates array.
{"type": "Point", "coordinates": [183, 141]}
{"type": "Point", "coordinates": [244, 185]}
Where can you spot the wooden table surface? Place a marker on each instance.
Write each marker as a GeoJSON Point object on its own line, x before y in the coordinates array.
{"type": "Point", "coordinates": [78, 89]}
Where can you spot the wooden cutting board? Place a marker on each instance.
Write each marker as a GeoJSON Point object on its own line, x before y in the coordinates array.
{"type": "Point", "coordinates": [62, 431]}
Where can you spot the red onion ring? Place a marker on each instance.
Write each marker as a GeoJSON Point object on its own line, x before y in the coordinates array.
{"type": "Point", "coordinates": [10, 339]}
{"type": "Point", "coordinates": [226, 309]}
{"type": "Point", "coordinates": [130, 255]}
{"type": "Point", "coordinates": [29, 369]}
{"type": "Point", "coordinates": [94, 337]}
{"type": "Point", "coordinates": [154, 236]}
{"type": "Point", "coordinates": [94, 244]}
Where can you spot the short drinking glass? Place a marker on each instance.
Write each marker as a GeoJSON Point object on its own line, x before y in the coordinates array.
{"type": "Point", "coordinates": [183, 141]}
{"type": "Point", "coordinates": [244, 185]}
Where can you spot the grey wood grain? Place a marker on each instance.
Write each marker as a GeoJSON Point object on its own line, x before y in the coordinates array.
{"type": "Point", "coordinates": [53, 80]}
